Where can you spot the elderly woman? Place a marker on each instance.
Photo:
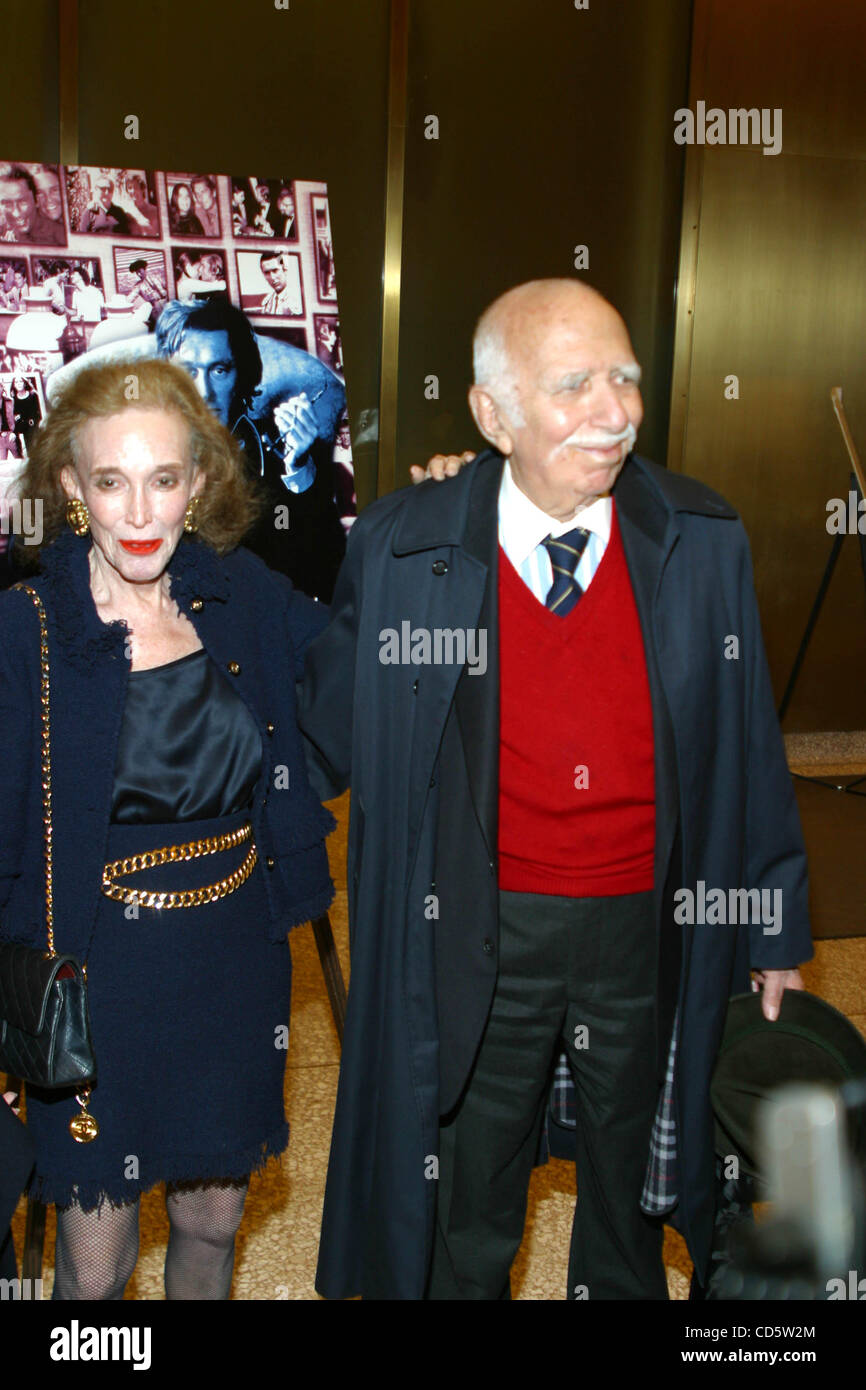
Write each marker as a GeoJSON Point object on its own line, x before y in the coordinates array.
{"type": "Point", "coordinates": [173, 659]}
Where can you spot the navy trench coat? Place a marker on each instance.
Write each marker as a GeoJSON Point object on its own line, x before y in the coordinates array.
{"type": "Point", "coordinates": [418, 743]}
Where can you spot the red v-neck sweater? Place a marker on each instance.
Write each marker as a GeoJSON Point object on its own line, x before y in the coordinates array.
{"type": "Point", "coordinates": [576, 777]}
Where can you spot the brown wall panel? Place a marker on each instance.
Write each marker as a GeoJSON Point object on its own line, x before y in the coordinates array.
{"type": "Point", "coordinates": [780, 301]}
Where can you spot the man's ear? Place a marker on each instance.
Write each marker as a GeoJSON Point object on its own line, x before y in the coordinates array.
{"type": "Point", "coordinates": [489, 419]}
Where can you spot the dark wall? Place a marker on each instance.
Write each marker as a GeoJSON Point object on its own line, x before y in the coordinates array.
{"type": "Point", "coordinates": [555, 129]}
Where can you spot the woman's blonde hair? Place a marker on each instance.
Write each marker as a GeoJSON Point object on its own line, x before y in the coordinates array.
{"type": "Point", "coordinates": [229, 501]}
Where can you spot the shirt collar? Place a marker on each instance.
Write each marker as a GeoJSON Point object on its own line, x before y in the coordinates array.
{"type": "Point", "coordinates": [523, 526]}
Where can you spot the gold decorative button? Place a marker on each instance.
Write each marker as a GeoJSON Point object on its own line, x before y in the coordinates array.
{"type": "Point", "coordinates": [269, 861]}
{"type": "Point", "coordinates": [234, 668]}
{"type": "Point", "coordinates": [270, 728]}
{"type": "Point", "coordinates": [197, 605]}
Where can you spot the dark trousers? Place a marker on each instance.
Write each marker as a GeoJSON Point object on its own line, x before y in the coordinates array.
{"type": "Point", "coordinates": [579, 972]}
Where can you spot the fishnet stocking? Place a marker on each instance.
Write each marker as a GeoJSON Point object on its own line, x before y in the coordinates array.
{"type": "Point", "coordinates": [204, 1218]}
{"type": "Point", "coordinates": [96, 1251]}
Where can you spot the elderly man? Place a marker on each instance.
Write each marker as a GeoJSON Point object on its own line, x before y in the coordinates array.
{"type": "Point", "coordinates": [545, 681]}
{"type": "Point", "coordinates": [103, 215]}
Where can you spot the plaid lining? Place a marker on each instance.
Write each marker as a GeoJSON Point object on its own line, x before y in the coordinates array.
{"type": "Point", "coordinates": [660, 1183]}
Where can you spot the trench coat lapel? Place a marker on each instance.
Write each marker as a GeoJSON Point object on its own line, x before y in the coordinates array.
{"type": "Point", "coordinates": [454, 597]}
{"type": "Point", "coordinates": [649, 533]}
{"type": "Point", "coordinates": [477, 697]}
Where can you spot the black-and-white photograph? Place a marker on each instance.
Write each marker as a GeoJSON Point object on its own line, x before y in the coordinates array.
{"type": "Point", "coordinates": [270, 282]}
{"type": "Point", "coordinates": [112, 202]}
{"type": "Point", "coordinates": [199, 272]}
{"type": "Point", "coordinates": [14, 281]}
{"type": "Point", "coordinates": [296, 337]}
{"type": "Point", "coordinates": [193, 206]}
{"type": "Point", "coordinates": [31, 204]}
{"type": "Point", "coordinates": [21, 408]}
{"type": "Point", "coordinates": [264, 208]}
{"type": "Point", "coordinates": [329, 348]}
{"type": "Point", "coordinates": [141, 276]}
{"type": "Point", "coordinates": [321, 216]}
{"type": "Point", "coordinates": [73, 283]}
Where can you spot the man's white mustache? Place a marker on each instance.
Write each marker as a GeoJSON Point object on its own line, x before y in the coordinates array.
{"type": "Point", "coordinates": [607, 441]}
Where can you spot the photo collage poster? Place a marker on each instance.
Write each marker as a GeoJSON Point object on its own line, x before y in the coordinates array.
{"type": "Point", "coordinates": [231, 276]}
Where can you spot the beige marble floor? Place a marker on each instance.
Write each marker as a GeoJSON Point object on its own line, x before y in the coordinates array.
{"type": "Point", "coordinates": [276, 1253]}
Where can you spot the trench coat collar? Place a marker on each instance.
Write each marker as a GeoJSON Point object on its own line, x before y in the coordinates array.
{"type": "Point", "coordinates": [195, 571]}
{"type": "Point", "coordinates": [455, 513]}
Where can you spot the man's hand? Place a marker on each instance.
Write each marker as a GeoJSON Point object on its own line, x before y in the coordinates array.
{"type": "Point", "coordinates": [773, 984]}
{"type": "Point", "coordinates": [441, 466]}
{"type": "Point", "coordinates": [297, 424]}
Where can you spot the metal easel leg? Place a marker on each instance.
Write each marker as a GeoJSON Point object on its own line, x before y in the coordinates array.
{"type": "Point", "coordinates": [332, 971]}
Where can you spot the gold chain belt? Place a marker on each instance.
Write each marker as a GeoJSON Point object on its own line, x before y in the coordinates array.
{"type": "Point", "coordinates": [172, 854]}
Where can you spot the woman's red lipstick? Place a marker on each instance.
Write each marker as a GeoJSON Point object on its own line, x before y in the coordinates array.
{"type": "Point", "coordinates": [141, 547]}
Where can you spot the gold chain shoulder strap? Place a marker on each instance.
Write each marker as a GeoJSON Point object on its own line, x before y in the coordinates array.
{"type": "Point", "coordinates": [83, 1127]}
{"type": "Point", "coordinates": [45, 702]}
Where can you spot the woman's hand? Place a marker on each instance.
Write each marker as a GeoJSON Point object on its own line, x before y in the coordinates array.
{"type": "Point", "coordinates": [441, 466]}
{"type": "Point", "coordinates": [13, 1101]}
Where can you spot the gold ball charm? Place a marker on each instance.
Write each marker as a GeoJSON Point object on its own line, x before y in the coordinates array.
{"type": "Point", "coordinates": [78, 516]}
{"type": "Point", "coordinates": [190, 525]}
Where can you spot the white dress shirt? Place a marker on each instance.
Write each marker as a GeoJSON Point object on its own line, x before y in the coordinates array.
{"type": "Point", "coordinates": [523, 526]}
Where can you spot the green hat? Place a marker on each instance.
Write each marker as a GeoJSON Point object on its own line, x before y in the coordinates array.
{"type": "Point", "coordinates": [810, 1041]}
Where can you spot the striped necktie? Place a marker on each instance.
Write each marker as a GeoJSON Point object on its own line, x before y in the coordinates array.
{"type": "Point", "coordinates": [565, 552]}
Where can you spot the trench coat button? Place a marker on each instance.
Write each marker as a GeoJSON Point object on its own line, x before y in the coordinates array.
{"type": "Point", "coordinates": [269, 863]}
{"type": "Point", "coordinates": [197, 605]}
{"type": "Point", "coordinates": [270, 728]}
{"type": "Point", "coordinates": [488, 946]}
{"type": "Point", "coordinates": [414, 687]}
{"type": "Point", "coordinates": [440, 567]}
{"type": "Point", "coordinates": [234, 668]}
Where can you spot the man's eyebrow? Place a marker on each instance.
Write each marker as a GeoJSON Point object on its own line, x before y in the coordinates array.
{"type": "Point", "coordinates": [630, 370]}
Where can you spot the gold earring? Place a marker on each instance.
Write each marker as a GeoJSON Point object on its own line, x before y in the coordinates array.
{"type": "Point", "coordinates": [190, 525]}
{"type": "Point", "coordinates": [78, 516]}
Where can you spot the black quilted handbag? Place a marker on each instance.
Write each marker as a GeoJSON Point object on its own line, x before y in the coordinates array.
{"type": "Point", "coordinates": [44, 1027]}
{"type": "Point", "coordinates": [44, 1022]}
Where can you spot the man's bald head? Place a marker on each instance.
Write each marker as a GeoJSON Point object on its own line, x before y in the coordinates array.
{"type": "Point", "coordinates": [556, 390]}
{"type": "Point", "coordinates": [529, 309]}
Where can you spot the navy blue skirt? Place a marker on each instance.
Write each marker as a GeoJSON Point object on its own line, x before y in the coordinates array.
{"type": "Point", "coordinates": [189, 1009]}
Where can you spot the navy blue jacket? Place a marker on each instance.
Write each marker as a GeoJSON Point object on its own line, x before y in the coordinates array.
{"type": "Point", "coordinates": [419, 745]}
{"type": "Point", "coordinates": [247, 614]}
